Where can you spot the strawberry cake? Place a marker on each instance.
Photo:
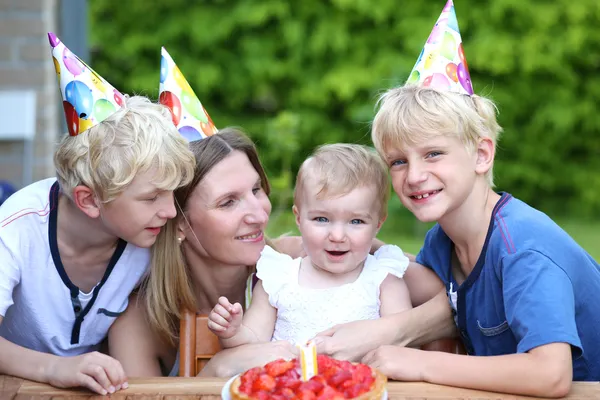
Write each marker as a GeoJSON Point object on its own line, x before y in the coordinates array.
{"type": "Point", "coordinates": [335, 379]}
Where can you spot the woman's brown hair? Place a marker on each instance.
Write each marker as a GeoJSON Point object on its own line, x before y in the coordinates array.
{"type": "Point", "coordinates": [167, 289]}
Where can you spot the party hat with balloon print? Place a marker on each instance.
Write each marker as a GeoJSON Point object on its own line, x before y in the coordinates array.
{"type": "Point", "coordinates": [442, 63]}
{"type": "Point", "coordinates": [87, 97]}
{"type": "Point", "coordinates": [190, 117]}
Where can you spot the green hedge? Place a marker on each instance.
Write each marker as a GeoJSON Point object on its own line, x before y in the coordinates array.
{"type": "Point", "coordinates": [296, 74]}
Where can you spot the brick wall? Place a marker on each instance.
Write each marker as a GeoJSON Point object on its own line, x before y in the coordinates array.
{"type": "Point", "coordinates": [25, 63]}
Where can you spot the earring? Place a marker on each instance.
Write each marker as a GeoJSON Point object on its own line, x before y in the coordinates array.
{"type": "Point", "coordinates": [180, 240]}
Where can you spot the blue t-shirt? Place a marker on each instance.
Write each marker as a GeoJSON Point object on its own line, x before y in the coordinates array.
{"type": "Point", "coordinates": [532, 285]}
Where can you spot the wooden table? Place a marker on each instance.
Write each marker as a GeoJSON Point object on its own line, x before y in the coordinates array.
{"type": "Point", "coordinates": [210, 388]}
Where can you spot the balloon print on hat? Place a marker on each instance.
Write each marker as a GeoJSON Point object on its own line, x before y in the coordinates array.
{"type": "Point", "coordinates": [189, 116]}
{"type": "Point", "coordinates": [170, 100]}
{"type": "Point", "coordinates": [190, 133]}
{"type": "Point", "coordinates": [442, 62]}
{"type": "Point", "coordinates": [72, 63]}
{"type": "Point", "coordinates": [164, 69]}
{"type": "Point", "coordinates": [88, 99]}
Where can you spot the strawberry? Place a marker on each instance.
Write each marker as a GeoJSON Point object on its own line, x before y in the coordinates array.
{"type": "Point", "coordinates": [324, 362]}
{"type": "Point", "coordinates": [306, 395]}
{"type": "Point", "coordinates": [246, 388]}
{"type": "Point", "coordinates": [279, 367]}
{"type": "Point", "coordinates": [264, 382]}
{"type": "Point", "coordinates": [287, 393]}
{"type": "Point", "coordinates": [312, 385]}
{"type": "Point", "coordinates": [292, 374]}
{"type": "Point", "coordinates": [356, 390]}
{"type": "Point", "coordinates": [361, 373]}
{"type": "Point", "coordinates": [339, 377]}
{"type": "Point", "coordinates": [334, 369]}
{"type": "Point", "coordinates": [329, 393]}
{"type": "Point", "coordinates": [251, 374]}
{"type": "Point", "coordinates": [285, 382]}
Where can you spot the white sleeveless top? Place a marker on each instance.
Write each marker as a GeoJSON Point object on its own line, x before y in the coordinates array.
{"type": "Point", "coordinates": [303, 312]}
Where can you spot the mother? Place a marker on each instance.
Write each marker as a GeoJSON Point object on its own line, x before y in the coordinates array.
{"type": "Point", "coordinates": [209, 250]}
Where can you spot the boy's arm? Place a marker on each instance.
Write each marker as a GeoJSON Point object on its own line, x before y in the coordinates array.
{"type": "Point", "coordinates": [97, 372]}
{"type": "Point", "coordinates": [133, 342]}
{"type": "Point", "coordinates": [545, 371]}
{"type": "Point", "coordinates": [258, 323]}
{"type": "Point", "coordinates": [422, 282]}
{"type": "Point", "coordinates": [414, 327]}
{"type": "Point", "coordinates": [394, 296]}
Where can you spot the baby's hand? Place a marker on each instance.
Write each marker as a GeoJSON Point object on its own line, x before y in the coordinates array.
{"type": "Point", "coordinates": [225, 318]}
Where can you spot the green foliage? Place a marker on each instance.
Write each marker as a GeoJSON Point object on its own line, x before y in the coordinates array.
{"type": "Point", "coordinates": [299, 74]}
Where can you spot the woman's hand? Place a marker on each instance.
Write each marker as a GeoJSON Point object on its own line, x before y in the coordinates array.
{"type": "Point", "coordinates": [353, 340]}
{"type": "Point", "coordinates": [233, 361]}
{"type": "Point", "coordinates": [398, 363]}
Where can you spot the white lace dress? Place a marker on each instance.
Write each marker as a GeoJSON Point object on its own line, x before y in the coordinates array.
{"type": "Point", "coordinates": [303, 312]}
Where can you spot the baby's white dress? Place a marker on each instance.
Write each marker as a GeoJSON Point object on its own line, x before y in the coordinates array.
{"type": "Point", "coordinates": [303, 312]}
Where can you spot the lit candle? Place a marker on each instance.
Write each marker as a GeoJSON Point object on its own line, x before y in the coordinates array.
{"type": "Point", "coordinates": [308, 360]}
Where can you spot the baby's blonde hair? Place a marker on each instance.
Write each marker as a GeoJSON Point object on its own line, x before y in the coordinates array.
{"type": "Point", "coordinates": [340, 168]}
{"type": "Point", "coordinates": [413, 114]}
{"type": "Point", "coordinates": [107, 157]}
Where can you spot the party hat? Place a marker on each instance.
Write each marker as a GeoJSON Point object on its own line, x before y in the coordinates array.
{"type": "Point", "coordinates": [190, 117]}
{"type": "Point", "coordinates": [442, 63]}
{"type": "Point", "coordinates": [87, 97]}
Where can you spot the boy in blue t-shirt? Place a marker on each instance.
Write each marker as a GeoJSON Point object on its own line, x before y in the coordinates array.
{"type": "Point", "coordinates": [523, 292]}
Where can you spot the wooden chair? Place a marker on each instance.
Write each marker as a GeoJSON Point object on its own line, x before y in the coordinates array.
{"type": "Point", "coordinates": [198, 344]}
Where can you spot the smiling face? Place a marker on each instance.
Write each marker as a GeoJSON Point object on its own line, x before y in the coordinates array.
{"type": "Point", "coordinates": [434, 178]}
{"type": "Point", "coordinates": [139, 212]}
{"type": "Point", "coordinates": [227, 213]}
{"type": "Point", "coordinates": [337, 232]}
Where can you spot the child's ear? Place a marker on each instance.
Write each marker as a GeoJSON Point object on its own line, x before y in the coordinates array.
{"type": "Point", "coordinates": [296, 215]}
{"type": "Point", "coordinates": [485, 156]}
{"type": "Point", "coordinates": [381, 221]}
{"type": "Point", "coordinates": [85, 200]}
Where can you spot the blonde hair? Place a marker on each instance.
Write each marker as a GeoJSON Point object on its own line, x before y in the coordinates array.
{"type": "Point", "coordinates": [339, 168]}
{"type": "Point", "coordinates": [167, 290]}
{"type": "Point", "coordinates": [107, 157]}
{"type": "Point", "coordinates": [412, 114]}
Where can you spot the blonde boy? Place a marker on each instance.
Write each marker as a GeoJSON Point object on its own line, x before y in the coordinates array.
{"type": "Point", "coordinates": [519, 287]}
{"type": "Point", "coordinates": [72, 249]}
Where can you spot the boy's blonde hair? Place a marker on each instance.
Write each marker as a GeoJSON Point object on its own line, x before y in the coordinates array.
{"type": "Point", "coordinates": [412, 114]}
{"type": "Point", "coordinates": [340, 168]}
{"type": "Point", "coordinates": [137, 137]}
